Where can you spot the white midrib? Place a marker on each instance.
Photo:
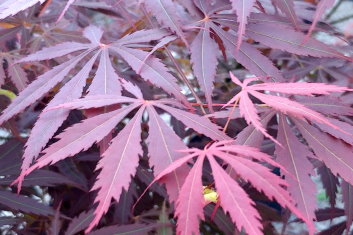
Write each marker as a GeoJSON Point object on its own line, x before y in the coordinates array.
{"type": "Point", "coordinates": [108, 196]}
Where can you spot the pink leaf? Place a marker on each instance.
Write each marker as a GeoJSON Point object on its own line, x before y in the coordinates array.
{"type": "Point", "coordinates": [292, 108]}
{"type": "Point", "coordinates": [106, 80]}
{"type": "Point", "coordinates": [80, 137]}
{"type": "Point", "coordinates": [243, 9]}
{"type": "Point", "coordinates": [161, 135]}
{"type": "Point", "coordinates": [300, 88]}
{"type": "Point", "coordinates": [117, 166]}
{"type": "Point", "coordinates": [190, 203]}
{"type": "Point", "coordinates": [235, 201]}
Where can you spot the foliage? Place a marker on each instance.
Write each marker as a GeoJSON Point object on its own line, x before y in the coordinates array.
{"type": "Point", "coordinates": [162, 116]}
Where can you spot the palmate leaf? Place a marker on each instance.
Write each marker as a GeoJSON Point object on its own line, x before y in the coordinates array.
{"type": "Point", "coordinates": [122, 163]}
{"type": "Point", "coordinates": [105, 82]}
{"type": "Point", "coordinates": [281, 104]}
{"type": "Point", "coordinates": [232, 197]}
{"type": "Point", "coordinates": [204, 54]}
{"type": "Point", "coordinates": [40, 86]}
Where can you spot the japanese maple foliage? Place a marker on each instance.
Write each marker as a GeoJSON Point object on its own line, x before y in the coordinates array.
{"type": "Point", "coordinates": [174, 116]}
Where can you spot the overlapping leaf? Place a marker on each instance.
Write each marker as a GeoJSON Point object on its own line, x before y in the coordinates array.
{"type": "Point", "coordinates": [122, 154]}
{"type": "Point", "coordinates": [281, 104]}
{"type": "Point", "coordinates": [232, 197]}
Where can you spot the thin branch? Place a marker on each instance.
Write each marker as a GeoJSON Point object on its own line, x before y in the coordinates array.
{"type": "Point", "coordinates": [342, 19]}
{"type": "Point", "coordinates": [181, 73]}
{"type": "Point", "coordinates": [334, 9]}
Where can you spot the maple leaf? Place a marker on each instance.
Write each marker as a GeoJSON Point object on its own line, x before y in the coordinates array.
{"type": "Point", "coordinates": [106, 80]}
{"type": "Point", "coordinates": [204, 54]}
{"type": "Point", "coordinates": [281, 104]}
{"type": "Point", "coordinates": [120, 160]}
{"type": "Point", "coordinates": [233, 199]}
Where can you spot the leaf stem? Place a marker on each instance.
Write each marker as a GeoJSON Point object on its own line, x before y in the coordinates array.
{"type": "Point", "coordinates": [230, 115]}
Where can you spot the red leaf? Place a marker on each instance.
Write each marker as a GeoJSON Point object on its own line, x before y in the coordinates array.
{"type": "Point", "coordinates": [190, 203]}
{"type": "Point", "coordinates": [235, 201]}
{"type": "Point", "coordinates": [118, 164]}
